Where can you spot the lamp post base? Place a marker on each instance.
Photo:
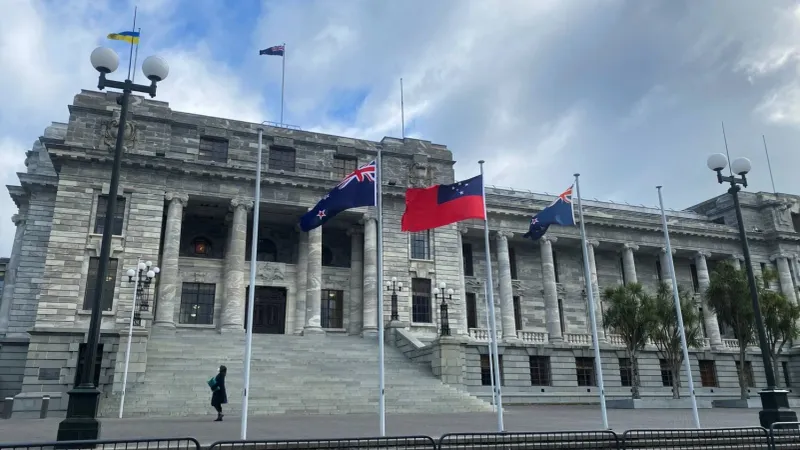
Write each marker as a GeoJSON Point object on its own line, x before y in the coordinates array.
{"type": "Point", "coordinates": [775, 408]}
{"type": "Point", "coordinates": [81, 422]}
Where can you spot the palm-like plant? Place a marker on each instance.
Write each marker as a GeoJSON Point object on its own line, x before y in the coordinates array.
{"type": "Point", "coordinates": [666, 334]}
{"type": "Point", "coordinates": [629, 314]}
{"type": "Point", "coordinates": [728, 295]}
{"type": "Point", "coordinates": [780, 319]}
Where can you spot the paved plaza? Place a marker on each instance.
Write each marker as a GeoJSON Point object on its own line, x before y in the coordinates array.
{"type": "Point", "coordinates": [529, 418]}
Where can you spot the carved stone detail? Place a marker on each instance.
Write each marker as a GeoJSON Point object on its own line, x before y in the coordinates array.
{"type": "Point", "coordinates": [111, 129]}
{"type": "Point", "coordinates": [271, 273]}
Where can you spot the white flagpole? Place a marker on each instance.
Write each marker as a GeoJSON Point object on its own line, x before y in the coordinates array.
{"type": "Point", "coordinates": [283, 77]}
{"type": "Point", "coordinates": [251, 292]}
{"type": "Point", "coordinates": [490, 299]}
{"type": "Point", "coordinates": [598, 363]}
{"type": "Point", "coordinates": [676, 297]}
{"type": "Point", "coordinates": [379, 281]}
{"type": "Point", "coordinates": [130, 337]}
{"type": "Point", "coordinates": [402, 112]}
{"type": "Point", "coordinates": [491, 362]}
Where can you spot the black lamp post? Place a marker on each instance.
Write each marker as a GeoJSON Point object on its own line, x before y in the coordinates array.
{"type": "Point", "coordinates": [774, 402]}
{"type": "Point", "coordinates": [445, 294]}
{"type": "Point", "coordinates": [81, 422]}
{"type": "Point", "coordinates": [394, 287]}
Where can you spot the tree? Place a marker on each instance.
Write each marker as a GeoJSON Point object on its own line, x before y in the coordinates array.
{"type": "Point", "coordinates": [780, 319]}
{"type": "Point", "coordinates": [629, 314]}
{"type": "Point", "coordinates": [728, 295]}
{"type": "Point", "coordinates": [666, 334]}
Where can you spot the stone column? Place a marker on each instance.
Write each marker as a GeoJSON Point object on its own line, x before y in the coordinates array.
{"type": "Point", "coordinates": [11, 272]}
{"type": "Point", "coordinates": [736, 261]}
{"type": "Point", "coordinates": [785, 277]}
{"type": "Point", "coordinates": [550, 289]}
{"type": "Point", "coordinates": [505, 289]}
{"type": "Point", "coordinates": [598, 302]}
{"type": "Point", "coordinates": [233, 308]}
{"type": "Point", "coordinates": [629, 263]}
{"type": "Point", "coordinates": [370, 316]}
{"type": "Point", "coordinates": [462, 292]}
{"type": "Point", "coordinates": [314, 284]}
{"type": "Point", "coordinates": [169, 281]}
{"type": "Point", "coordinates": [664, 261]}
{"type": "Point", "coordinates": [356, 310]}
{"type": "Point", "coordinates": [703, 279]}
{"type": "Point", "coordinates": [301, 282]}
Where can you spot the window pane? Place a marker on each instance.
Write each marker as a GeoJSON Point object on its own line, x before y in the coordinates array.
{"type": "Point", "coordinates": [282, 159]}
{"type": "Point", "coordinates": [486, 372]}
{"type": "Point", "coordinates": [512, 259]}
{"type": "Point", "coordinates": [107, 299]}
{"type": "Point", "coordinates": [625, 372]}
{"type": "Point", "coordinates": [540, 370]}
{"type": "Point", "coordinates": [100, 215]}
{"type": "Point", "coordinates": [666, 373]}
{"type": "Point", "coordinates": [584, 368]}
{"type": "Point", "coordinates": [197, 303]}
{"type": "Point", "coordinates": [466, 251]}
{"type": "Point", "coordinates": [332, 310]}
{"type": "Point", "coordinates": [421, 300]}
{"type": "Point", "coordinates": [343, 166]}
{"type": "Point", "coordinates": [517, 312]}
{"type": "Point", "coordinates": [213, 149]}
{"type": "Point", "coordinates": [420, 245]}
{"type": "Point", "coordinates": [472, 311]}
{"type": "Point", "coordinates": [708, 373]}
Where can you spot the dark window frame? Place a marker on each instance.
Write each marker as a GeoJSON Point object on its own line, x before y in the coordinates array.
{"type": "Point", "coordinates": [486, 373]}
{"type": "Point", "coordinates": [708, 373]}
{"type": "Point", "coordinates": [541, 374]}
{"type": "Point", "coordinates": [213, 149]}
{"type": "Point", "coordinates": [517, 300]}
{"type": "Point", "coordinates": [332, 317]}
{"type": "Point", "coordinates": [344, 166]}
{"type": "Point", "coordinates": [421, 300]}
{"type": "Point", "coordinates": [110, 285]}
{"type": "Point", "coordinates": [469, 266]}
{"type": "Point", "coordinates": [625, 372]}
{"type": "Point", "coordinates": [695, 278]}
{"type": "Point", "coordinates": [666, 373]}
{"type": "Point", "coordinates": [584, 370]}
{"type": "Point", "coordinates": [198, 299]}
{"type": "Point", "coordinates": [561, 318]}
{"type": "Point", "coordinates": [282, 158]}
{"type": "Point", "coordinates": [420, 244]}
{"type": "Point", "coordinates": [555, 266]}
{"type": "Point", "coordinates": [119, 215]}
{"type": "Point", "coordinates": [512, 263]}
{"type": "Point", "coordinates": [472, 310]}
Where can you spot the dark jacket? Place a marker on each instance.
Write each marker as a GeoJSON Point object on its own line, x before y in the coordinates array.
{"type": "Point", "coordinates": [220, 396]}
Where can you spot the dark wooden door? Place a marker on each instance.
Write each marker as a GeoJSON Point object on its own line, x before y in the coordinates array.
{"type": "Point", "coordinates": [269, 310]}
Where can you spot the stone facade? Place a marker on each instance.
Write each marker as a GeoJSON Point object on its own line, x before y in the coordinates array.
{"type": "Point", "coordinates": [186, 204]}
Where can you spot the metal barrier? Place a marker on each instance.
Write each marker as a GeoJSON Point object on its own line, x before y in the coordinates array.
{"type": "Point", "coordinates": [603, 439]}
{"type": "Point", "coordinates": [395, 443]}
{"type": "Point", "coordinates": [702, 438]}
{"type": "Point", "coordinates": [186, 443]}
{"type": "Point", "coordinates": [785, 436]}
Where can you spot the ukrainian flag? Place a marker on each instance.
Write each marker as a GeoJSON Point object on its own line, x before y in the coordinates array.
{"type": "Point", "coordinates": [127, 36]}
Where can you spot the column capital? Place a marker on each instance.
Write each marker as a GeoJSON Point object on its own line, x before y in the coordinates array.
{"type": "Point", "coordinates": [705, 254]}
{"type": "Point", "coordinates": [463, 229]}
{"type": "Point", "coordinates": [630, 246]}
{"type": "Point", "coordinates": [18, 219]}
{"type": "Point", "coordinates": [368, 216]}
{"type": "Point", "coordinates": [241, 203]}
{"type": "Point", "coordinates": [775, 256]}
{"type": "Point", "coordinates": [503, 234]}
{"type": "Point", "coordinates": [593, 242]}
{"type": "Point", "coordinates": [664, 250]}
{"type": "Point", "coordinates": [549, 238]}
{"type": "Point", "coordinates": [737, 257]}
{"type": "Point", "coordinates": [181, 198]}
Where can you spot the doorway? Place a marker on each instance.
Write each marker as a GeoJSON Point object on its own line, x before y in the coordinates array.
{"type": "Point", "coordinates": [269, 310]}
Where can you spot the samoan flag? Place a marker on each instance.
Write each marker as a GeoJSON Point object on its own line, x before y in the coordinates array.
{"type": "Point", "coordinates": [559, 212]}
{"type": "Point", "coordinates": [355, 190]}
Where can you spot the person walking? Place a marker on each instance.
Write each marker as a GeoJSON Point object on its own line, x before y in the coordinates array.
{"type": "Point", "coordinates": [219, 396]}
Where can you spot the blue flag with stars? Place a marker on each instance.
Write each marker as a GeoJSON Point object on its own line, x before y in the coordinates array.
{"type": "Point", "coordinates": [559, 212]}
{"type": "Point", "coordinates": [355, 190]}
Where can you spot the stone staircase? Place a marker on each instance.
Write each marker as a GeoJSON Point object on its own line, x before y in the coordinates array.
{"type": "Point", "coordinates": [289, 375]}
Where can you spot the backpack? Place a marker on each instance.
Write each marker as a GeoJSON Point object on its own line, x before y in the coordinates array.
{"type": "Point", "coordinates": [212, 383]}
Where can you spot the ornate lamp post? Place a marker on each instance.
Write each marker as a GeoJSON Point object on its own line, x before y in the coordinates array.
{"type": "Point", "coordinates": [141, 278]}
{"type": "Point", "coordinates": [445, 294]}
{"type": "Point", "coordinates": [81, 422]}
{"type": "Point", "coordinates": [394, 287]}
{"type": "Point", "coordinates": [774, 402]}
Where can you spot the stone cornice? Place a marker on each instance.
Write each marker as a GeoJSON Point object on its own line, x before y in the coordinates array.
{"type": "Point", "coordinates": [32, 181]}
{"type": "Point", "coordinates": [17, 194]}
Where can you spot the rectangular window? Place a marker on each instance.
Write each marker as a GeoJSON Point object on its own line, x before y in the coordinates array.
{"type": "Point", "coordinates": [625, 372]}
{"type": "Point", "coordinates": [584, 368]}
{"type": "Point", "coordinates": [540, 370]}
{"type": "Point", "coordinates": [748, 373]}
{"type": "Point", "coordinates": [512, 262]}
{"type": "Point", "coordinates": [343, 166]}
{"type": "Point", "coordinates": [213, 149]}
{"type": "Point", "coordinates": [666, 373]}
{"type": "Point", "coordinates": [466, 252]}
{"type": "Point", "coordinates": [787, 380]}
{"type": "Point", "coordinates": [421, 300]}
{"type": "Point", "coordinates": [796, 222]}
{"type": "Point", "coordinates": [708, 373]}
{"type": "Point", "coordinates": [658, 272]}
{"type": "Point", "coordinates": [100, 215]}
{"type": "Point", "coordinates": [332, 310]}
{"type": "Point", "coordinates": [695, 280]}
{"type": "Point", "coordinates": [555, 265]}
{"type": "Point", "coordinates": [517, 312]}
{"type": "Point", "coordinates": [281, 158]}
{"type": "Point", "coordinates": [472, 311]}
{"type": "Point", "coordinates": [197, 303]}
{"type": "Point", "coordinates": [421, 245]}
{"type": "Point", "coordinates": [622, 271]}
{"type": "Point", "coordinates": [561, 316]}
{"type": "Point", "coordinates": [107, 298]}
{"type": "Point", "coordinates": [486, 372]}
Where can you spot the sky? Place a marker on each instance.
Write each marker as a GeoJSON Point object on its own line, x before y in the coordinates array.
{"type": "Point", "coordinates": [631, 94]}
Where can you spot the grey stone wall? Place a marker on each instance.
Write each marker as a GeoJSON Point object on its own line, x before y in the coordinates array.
{"type": "Point", "coordinates": [13, 353]}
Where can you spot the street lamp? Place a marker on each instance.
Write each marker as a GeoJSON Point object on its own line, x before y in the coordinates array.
{"type": "Point", "coordinates": [81, 422]}
{"type": "Point", "coordinates": [440, 292]}
{"type": "Point", "coordinates": [394, 286]}
{"type": "Point", "coordinates": [774, 402]}
{"type": "Point", "coordinates": [141, 277]}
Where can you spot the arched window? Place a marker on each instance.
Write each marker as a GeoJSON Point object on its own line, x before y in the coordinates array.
{"type": "Point", "coordinates": [267, 250]}
{"type": "Point", "coordinates": [201, 247]}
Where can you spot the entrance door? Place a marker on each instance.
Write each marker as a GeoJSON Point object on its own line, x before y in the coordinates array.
{"type": "Point", "coordinates": [269, 310]}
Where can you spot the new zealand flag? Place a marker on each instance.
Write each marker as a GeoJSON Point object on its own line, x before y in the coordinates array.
{"type": "Point", "coordinates": [559, 212]}
{"type": "Point", "coordinates": [355, 190]}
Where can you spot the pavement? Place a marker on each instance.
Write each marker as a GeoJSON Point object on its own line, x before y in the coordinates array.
{"type": "Point", "coordinates": [521, 418]}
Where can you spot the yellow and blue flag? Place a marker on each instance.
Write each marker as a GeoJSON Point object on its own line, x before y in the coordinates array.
{"type": "Point", "coordinates": [127, 36]}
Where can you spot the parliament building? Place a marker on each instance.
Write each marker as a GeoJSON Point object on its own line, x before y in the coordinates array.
{"type": "Point", "coordinates": [186, 201]}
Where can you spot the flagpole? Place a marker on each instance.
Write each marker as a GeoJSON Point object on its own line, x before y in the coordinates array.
{"type": "Point", "coordinates": [676, 298]}
{"type": "Point", "coordinates": [497, 390]}
{"type": "Point", "coordinates": [130, 56]}
{"type": "Point", "coordinates": [251, 292]}
{"type": "Point", "coordinates": [283, 78]}
{"type": "Point", "coordinates": [379, 282]}
{"type": "Point", "coordinates": [598, 364]}
{"type": "Point", "coordinates": [130, 338]}
{"type": "Point", "coordinates": [491, 362]}
{"type": "Point", "coordinates": [769, 166]}
{"type": "Point", "coordinates": [136, 56]}
{"type": "Point", "coordinates": [402, 112]}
